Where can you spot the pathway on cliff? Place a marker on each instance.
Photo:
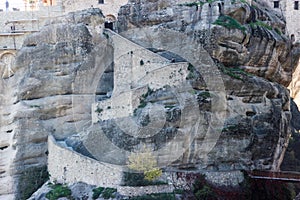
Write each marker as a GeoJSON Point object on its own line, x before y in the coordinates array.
{"type": "Point", "coordinates": [288, 176]}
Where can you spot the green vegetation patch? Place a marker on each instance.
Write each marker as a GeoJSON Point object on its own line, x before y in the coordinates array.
{"type": "Point", "coordinates": [160, 196]}
{"type": "Point", "coordinates": [109, 193]}
{"type": "Point", "coordinates": [234, 72]}
{"type": "Point", "coordinates": [99, 110]}
{"type": "Point", "coordinates": [192, 4]}
{"type": "Point", "coordinates": [143, 101]}
{"type": "Point", "coordinates": [105, 193]}
{"type": "Point", "coordinates": [58, 191]}
{"type": "Point", "coordinates": [31, 180]}
{"type": "Point", "coordinates": [239, 1]}
{"type": "Point", "coordinates": [205, 94]}
{"type": "Point", "coordinates": [97, 192]}
{"type": "Point", "coordinates": [192, 72]}
{"type": "Point", "coordinates": [277, 31]}
{"type": "Point", "coordinates": [138, 179]}
{"type": "Point", "coordinates": [261, 24]}
{"type": "Point", "coordinates": [229, 22]}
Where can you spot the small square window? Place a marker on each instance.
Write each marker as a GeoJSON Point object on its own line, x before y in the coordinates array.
{"type": "Point", "coordinates": [276, 4]}
{"type": "Point", "coordinates": [296, 5]}
{"type": "Point", "coordinates": [101, 1]}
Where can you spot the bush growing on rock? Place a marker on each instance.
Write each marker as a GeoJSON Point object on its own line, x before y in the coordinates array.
{"type": "Point", "coordinates": [146, 163]}
{"type": "Point", "coordinates": [58, 190]}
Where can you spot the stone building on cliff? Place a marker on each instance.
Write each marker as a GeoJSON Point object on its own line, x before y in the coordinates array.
{"type": "Point", "coordinates": [43, 104]}
{"type": "Point", "coordinates": [290, 9]}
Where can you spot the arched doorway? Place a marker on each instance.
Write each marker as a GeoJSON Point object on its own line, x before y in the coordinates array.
{"type": "Point", "coordinates": [7, 60]}
{"type": "Point", "coordinates": [109, 21]}
{"type": "Point", "coordinates": [293, 38]}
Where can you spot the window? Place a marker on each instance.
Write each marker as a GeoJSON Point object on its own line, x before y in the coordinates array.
{"type": "Point", "coordinates": [101, 1]}
{"type": "Point", "coordinates": [109, 25]}
{"type": "Point", "coordinates": [293, 38]}
{"type": "Point", "coordinates": [276, 4]}
{"type": "Point", "coordinates": [296, 5]}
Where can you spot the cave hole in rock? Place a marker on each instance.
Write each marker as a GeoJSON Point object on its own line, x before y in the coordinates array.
{"type": "Point", "coordinates": [109, 22]}
{"type": "Point", "coordinates": [250, 113]}
{"type": "Point", "coordinates": [4, 147]}
{"type": "Point", "coordinates": [109, 25]}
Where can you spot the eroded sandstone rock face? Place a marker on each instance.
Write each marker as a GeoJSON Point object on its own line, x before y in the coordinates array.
{"type": "Point", "coordinates": [43, 98]}
{"type": "Point", "coordinates": [62, 70]}
{"type": "Point", "coordinates": [295, 86]}
{"type": "Point", "coordinates": [237, 34]}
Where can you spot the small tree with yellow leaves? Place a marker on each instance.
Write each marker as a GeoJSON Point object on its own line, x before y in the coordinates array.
{"type": "Point", "coordinates": [146, 163]}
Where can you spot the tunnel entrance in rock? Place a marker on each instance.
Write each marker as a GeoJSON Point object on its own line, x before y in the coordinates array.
{"type": "Point", "coordinates": [109, 22]}
{"type": "Point", "coordinates": [109, 25]}
{"type": "Point", "coordinates": [106, 84]}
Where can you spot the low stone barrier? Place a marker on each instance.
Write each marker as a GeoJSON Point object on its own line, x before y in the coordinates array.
{"type": "Point", "coordinates": [69, 167]}
{"type": "Point", "coordinates": [143, 190]}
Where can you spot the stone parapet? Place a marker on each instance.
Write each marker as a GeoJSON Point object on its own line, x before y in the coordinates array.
{"type": "Point", "coordinates": [69, 167]}
{"type": "Point", "coordinates": [140, 191]}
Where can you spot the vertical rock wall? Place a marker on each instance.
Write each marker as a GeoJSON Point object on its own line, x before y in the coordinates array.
{"type": "Point", "coordinates": [45, 97]}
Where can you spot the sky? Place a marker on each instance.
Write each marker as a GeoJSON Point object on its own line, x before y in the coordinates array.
{"type": "Point", "coordinates": [12, 4]}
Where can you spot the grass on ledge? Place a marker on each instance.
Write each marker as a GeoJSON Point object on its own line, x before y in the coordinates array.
{"type": "Point", "coordinates": [229, 22]}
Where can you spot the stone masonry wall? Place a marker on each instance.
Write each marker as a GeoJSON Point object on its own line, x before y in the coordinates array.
{"type": "Point", "coordinates": [67, 166]}
{"type": "Point", "coordinates": [292, 20]}
{"type": "Point", "coordinates": [136, 69]}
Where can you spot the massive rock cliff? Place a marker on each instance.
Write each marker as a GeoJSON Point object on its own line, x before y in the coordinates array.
{"type": "Point", "coordinates": [233, 32]}
{"type": "Point", "coordinates": [229, 87]}
{"type": "Point", "coordinates": [40, 99]}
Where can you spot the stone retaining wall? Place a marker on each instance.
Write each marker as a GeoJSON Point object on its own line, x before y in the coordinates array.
{"type": "Point", "coordinates": [67, 166]}
{"type": "Point", "coordinates": [140, 191]}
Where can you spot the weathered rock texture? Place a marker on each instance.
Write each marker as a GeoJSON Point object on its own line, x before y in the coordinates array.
{"type": "Point", "coordinates": [69, 65]}
{"type": "Point", "coordinates": [43, 97]}
{"type": "Point", "coordinates": [250, 45]}
{"type": "Point", "coordinates": [259, 48]}
{"type": "Point", "coordinates": [295, 86]}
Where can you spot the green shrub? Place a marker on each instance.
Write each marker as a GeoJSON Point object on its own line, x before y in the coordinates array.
{"type": "Point", "coordinates": [160, 196]}
{"type": "Point", "coordinates": [99, 110]}
{"type": "Point", "coordinates": [234, 72]}
{"type": "Point", "coordinates": [261, 24]}
{"type": "Point", "coordinates": [277, 31]}
{"type": "Point", "coordinates": [138, 179]}
{"type": "Point", "coordinates": [31, 180]}
{"type": "Point", "coordinates": [229, 22]}
{"type": "Point", "coordinates": [192, 4]}
{"type": "Point", "coordinates": [192, 72]}
{"type": "Point", "coordinates": [144, 161]}
{"type": "Point", "coordinates": [204, 95]}
{"type": "Point", "coordinates": [106, 35]}
{"type": "Point", "coordinates": [58, 190]}
{"type": "Point", "coordinates": [109, 193]}
{"type": "Point", "coordinates": [204, 193]}
{"type": "Point", "coordinates": [97, 192]}
{"type": "Point", "coordinates": [178, 191]}
{"type": "Point", "coordinates": [152, 174]}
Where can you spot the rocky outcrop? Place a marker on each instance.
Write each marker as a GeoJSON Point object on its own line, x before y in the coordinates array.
{"type": "Point", "coordinates": [295, 86]}
{"type": "Point", "coordinates": [237, 34]}
{"type": "Point", "coordinates": [216, 116]}
{"type": "Point", "coordinates": [292, 157]}
{"type": "Point", "coordinates": [43, 98]}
